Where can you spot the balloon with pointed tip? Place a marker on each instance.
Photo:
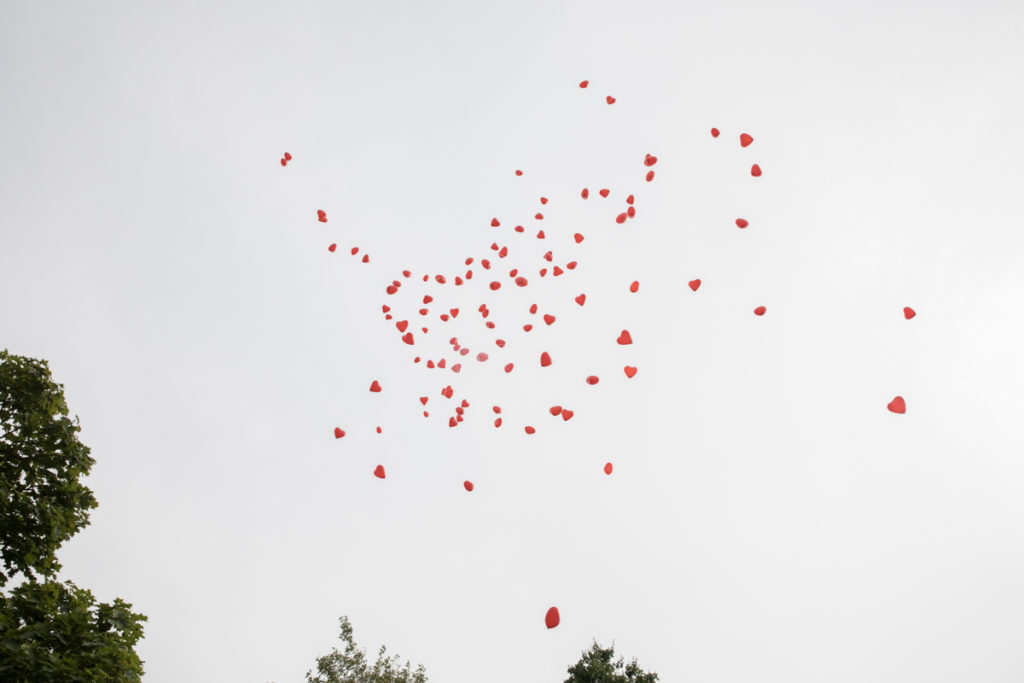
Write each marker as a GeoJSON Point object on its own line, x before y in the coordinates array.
{"type": "Point", "coordinates": [552, 618]}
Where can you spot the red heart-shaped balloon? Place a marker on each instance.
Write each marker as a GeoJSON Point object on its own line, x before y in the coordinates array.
{"type": "Point", "coordinates": [379, 472]}
{"type": "Point", "coordinates": [630, 371]}
{"type": "Point", "coordinates": [581, 299]}
{"type": "Point", "coordinates": [338, 432]}
{"type": "Point", "coordinates": [578, 237]}
{"type": "Point", "coordinates": [593, 379]}
{"type": "Point", "coordinates": [625, 338]}
{"type": "Point", "coordinates": [610, 99]}
{"type": "Point", "coordinates": [745, 140]}
{"type": "Point", "coordinates": [375, 387]}
{"type": "Point", "coordinates": [552, 618]}
{"type": "Point", "coordinates": [545, 359]}
{"type": "Point", "coordinates": [555, 410]}
{"type": "Point", "coordinates": [741, 223]}
{"type": "Point", "coordinates": [548, 318]}
{"type": "Point", "coordinates": [332, 248]}
{"type": "Point", "coordinates": [567, 414]}
{"type": "Point", "coordinates": [468, 485]}
{"type": "Point", "coordinates": [408, 338]}
{"type": "Point", "coordinates": [529, 430]}
{"type": "Point", "coordinates": [714, 132]}
{"type": "Point", "coordinates": [897, 405]}
{"type": "Point", "coordinates": [603, 193]}
{"type": "Point", "coordinates": [694, 284]}
{"type": "Point", "coordinates": [760, 310]}
{"type": "Point", "coordinates": [909, 312]}
{"type": "Point", "coordinates": [607, 468]}
{"type": "Point", "coordinates": [634, 286]}
{"type": "Point", "coordinates": [755, 170]}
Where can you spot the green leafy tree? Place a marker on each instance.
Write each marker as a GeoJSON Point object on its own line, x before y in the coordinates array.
{"type": "Point", "coordinates": [352, 665]}
{"type": "Point", "coordinates": [42, 501]}
{"type": "Point", "coordinates": [50, 632]}
{"type": "Point", "coordinates": [596, 666]}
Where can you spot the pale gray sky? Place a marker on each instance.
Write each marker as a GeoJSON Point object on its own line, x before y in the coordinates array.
{"type": "Point", "coordinates": [767, 518]}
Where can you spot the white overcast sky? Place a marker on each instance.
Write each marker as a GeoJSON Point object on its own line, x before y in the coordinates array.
{"type": "Point", "coordinates": [768, 519]}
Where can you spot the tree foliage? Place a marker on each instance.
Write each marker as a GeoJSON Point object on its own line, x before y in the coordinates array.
{"type": "Point", "coordinates": [50, 632]}
{"type": "Point", "coordinates": [42, 501]}
{"type": "Point", "coordinates": [596, 666]}
{"type": "Point", "coordinates": [352, 665]}
{"type": "Point", "coordinates": [55, 633]}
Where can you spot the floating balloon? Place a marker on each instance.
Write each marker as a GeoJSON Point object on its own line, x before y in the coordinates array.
{"type": "Point", "coordinates": [625, 338]}
{"type": "Point", "coordinates": [755, 171]}
{"type": "Point", "coordinates": [332, 248]}
{"type": "Point", "coordinates": [909, 312]}
{"type": "Point", "coordinates": [581, 299]}
{"type": "Point", "coordinates": [630, 371]}
{"type": "Point", "coordinates": [610, 99]}
{"type": "Point", "coordinates": [468, 485]}
{"type": "Point", "coordinates": [529, 430]}
{"type": "Point", "coordinates": [287, 156]}
{"type": "Point", "coordinates": [584, 84]}
{"type": "Point", "coordinates": [555, 410]}
{"type": "Point", "coordinates": [745, 140]}
{"type": "Point", "coordinates": [552, 618]}
{"type": "Point", "coordinates": [548, 318]}
{"type": "Point", "coordinates": [578, 237]}
{"type": "Point", "coordinates": [635, 286]}
{"type": "Point", "coordinates": [495, 223]}
{"type": "Point", "coordinates": [593, 379]}
{"type": "Point", "coordinates": [567, 414]}
{"type": "Point", "coordinates": [694, 284]}
{"type": "Point", "coordinates": [603, 193]}
{"type": "Point", "coordinates": [545, 359]}
{"type": "Point", "coordinates": [760, 310]}
{"type": "Point", "coordinates": [741, 223]}
{"type": "Point", "coordinates": [585, 193]}
{"type": "Point", "coordinates": [607, 468]}
{"type": "Point", "coordinates": [375, 387]}
{"type": "Point", "coordinates": [714, 132]}
{"type": "Point", "coordinates": [897, 405]}
{"type": "Point", "coordinates": [379, 472]}
{"type": "Point", "coordinates": [338, 432]}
